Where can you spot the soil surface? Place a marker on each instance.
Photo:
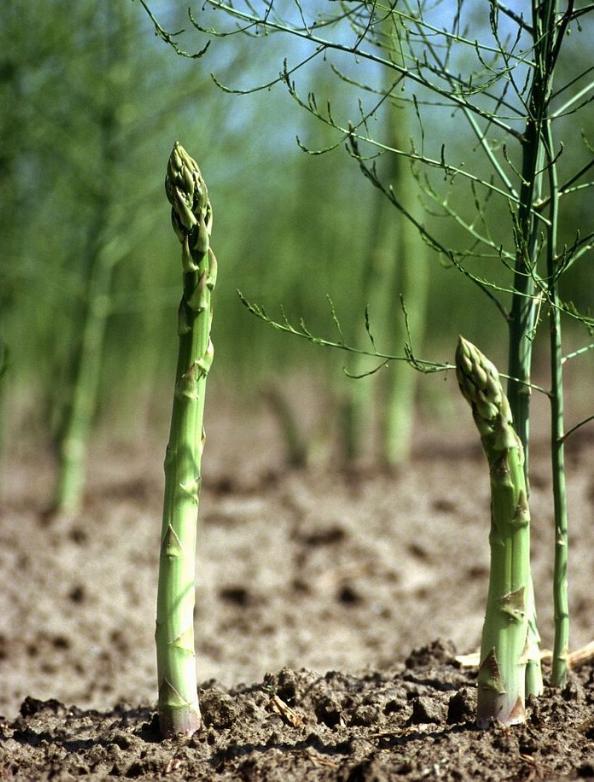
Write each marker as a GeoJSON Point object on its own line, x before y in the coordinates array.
{"type": "Point", "coordinates": [300, 573]}
{"type": "Point", "coordinates": [414, 722]}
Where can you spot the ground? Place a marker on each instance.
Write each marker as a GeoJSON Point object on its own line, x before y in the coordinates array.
{"type": "Point", "coordinates": [314, 589]}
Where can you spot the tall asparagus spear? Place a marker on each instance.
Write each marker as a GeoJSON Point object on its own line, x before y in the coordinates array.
{"type": "Point", "coordinates": [191, 216]}
{"type": "Point", "coordinates": [502, 672]}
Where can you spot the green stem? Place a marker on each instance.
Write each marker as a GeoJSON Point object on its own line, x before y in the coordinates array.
{"type": "Point", "coordinates": [357, 408]}
{"type": "Point", "coordinates": [524, 308]}
{"type": "Point", "coordinates": [179, 712]}
{"type": "Point", "coordinates": [296, 447]}
{"type": "Point", "coordinates": [534, 681]}
{"type": "Point", "coordinates": [75, 433]}
{"type": "Point", "coordinates": [410, 272]}
{"type": "Point", "coordinates": [561, 601]}
{"type": "Point", "coordinates": [502, 672]}
{"type": "Point", "coordinates": [560, 587]}
{"type": "Point", "coordinates": [411, 282]}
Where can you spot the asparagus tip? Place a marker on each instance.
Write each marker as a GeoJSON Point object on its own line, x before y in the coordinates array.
{"type": "Point", "coordinates": [191, 213]}
{"type": "Point", "coordinates": [477, 377]}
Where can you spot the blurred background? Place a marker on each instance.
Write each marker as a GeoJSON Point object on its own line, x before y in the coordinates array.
{"type": "Point", "coordinates": [90, 269]}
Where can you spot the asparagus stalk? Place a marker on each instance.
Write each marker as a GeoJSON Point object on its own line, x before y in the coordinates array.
{"type": "Point", "coordinates": [191, 215]}
{"type": "Point", "coordinates": [502, 672]}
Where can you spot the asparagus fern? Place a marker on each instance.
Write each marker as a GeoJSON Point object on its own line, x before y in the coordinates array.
{"type": "Point", "coordinates": [191, 215]}
{"type": "Point", "coordinates": [502, 672]}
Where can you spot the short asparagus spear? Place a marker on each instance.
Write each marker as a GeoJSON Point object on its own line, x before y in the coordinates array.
{"type": "Point", "coordinates": [502, 672]}
{"type": "Point", "coordinates": [191, 216]}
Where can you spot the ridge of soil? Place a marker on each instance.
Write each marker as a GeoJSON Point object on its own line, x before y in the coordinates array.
{"type": "Point", "coordinates": [412, 723]}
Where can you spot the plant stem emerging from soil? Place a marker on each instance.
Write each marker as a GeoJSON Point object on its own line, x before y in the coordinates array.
{"type": "Point", "coordinates": [560, 587]}
{"type": "Point", "coordinates": [502, 672]}
{"type": "Point", "coordinates": [191, 216]}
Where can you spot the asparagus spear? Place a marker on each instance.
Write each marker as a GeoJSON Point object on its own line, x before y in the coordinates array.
{"type": "Point", "coordinates": [191, 215]}
{"type": "Point", "coordinates": [502, 672]}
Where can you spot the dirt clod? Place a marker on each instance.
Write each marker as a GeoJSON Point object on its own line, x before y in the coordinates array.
{"type": "Point", "coordinates": [425, 710]}
{"type": "Point", "coordinates": [218, 708]}
{"type": "Point", "coordinates": [31, 706]}
{"type": "Point", "coordinates": [439, 651]}
{"type": "Point", "coordinates": [461, 706]}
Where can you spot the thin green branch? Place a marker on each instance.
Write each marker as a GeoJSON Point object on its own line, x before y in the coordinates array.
{"type": "Point", "coordinates": [578, 352]}
{"type": "Point", "coordinates": [349, 132]}
{"type": "Point", "coordinates": [563, 110]}
{"type": "Point", "coordinates": [582, 11]}
{"type": "Point", "coordinates": [576, 427]}
{"type": "Point", "coordinates": [303, 332]}
{"type": "Point", "coordinates": [169, 38]}
{"type": "Point", "coordinates": [267, 85]}
{"type": "Point", "coordinates": [517, 18]}
{"type": "Point", "coordinates": [474, 124]}
{"type": "Point", "coordinates": [571, 82]}
{"type": "Point", "coordinates": [485, 285]}
{"type": "Point", "coordinates": [475, 45]}
{"type": "Point", "coordinates": [456, 100]}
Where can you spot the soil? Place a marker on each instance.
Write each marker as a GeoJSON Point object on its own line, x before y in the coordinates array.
{"type": "Point", "coordinates": [414, 722]}
{"type": "Point", "coordinates": [300, 573]}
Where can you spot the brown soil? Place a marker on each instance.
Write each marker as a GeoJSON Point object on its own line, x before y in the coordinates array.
{"type": "Point", "coordinates": [414, 722]}
{"type": "Point", "coordinates": [319, 570]}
